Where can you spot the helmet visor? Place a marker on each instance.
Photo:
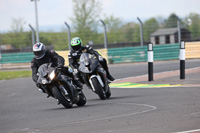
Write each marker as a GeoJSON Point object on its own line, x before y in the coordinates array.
{"type": "Point", "coordinates": [77, 47]}
{"type": "Point", "coordinates": [39, 54]}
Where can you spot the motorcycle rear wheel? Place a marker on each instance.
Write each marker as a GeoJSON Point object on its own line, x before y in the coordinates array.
{"type": "Point", "coordinates": [61, 97]}
{"type": "Point", "coordinates": [82, 100]}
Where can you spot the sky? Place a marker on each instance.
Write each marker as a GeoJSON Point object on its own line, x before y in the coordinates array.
{"type": "Point", "coordinates": [53, 13]}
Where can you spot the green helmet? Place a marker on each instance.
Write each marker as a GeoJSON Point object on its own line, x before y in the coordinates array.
{"type": "Point", "coordinates": [76, 43]}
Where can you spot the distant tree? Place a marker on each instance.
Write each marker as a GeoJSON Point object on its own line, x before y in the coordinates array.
{"type": "Point", "coordinates": [85, 15]}
{"type": "Point", "coordinates": [171, 22]}
{"type": "Point", "coordinates": [161, 21]}
{"type": "Point", "coordinates": [17, 34]}
{"type": "Point", "coordinates": [112, 23]}
{"type": "Point", "coordinates": [130, 32]}
{"type": "Point", "coordinates": [17, 25]}
{"type": "Point", "coordinates": [193, 25]}
{"type": "Point", "coordinates": [149, 27]}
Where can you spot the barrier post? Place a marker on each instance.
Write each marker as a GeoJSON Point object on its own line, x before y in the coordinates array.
{"type": "Point", "coordinates": [150, 61]}
{"type": "Point", "coordinates": [69, 35]}
{"type": "Point", "coordinates": [105, 35]}
{"type": "Point", "coordinates": [182, 60]}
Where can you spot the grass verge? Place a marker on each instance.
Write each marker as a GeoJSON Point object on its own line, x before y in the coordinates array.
{"type": "Point", "coordinates": [14, 74]}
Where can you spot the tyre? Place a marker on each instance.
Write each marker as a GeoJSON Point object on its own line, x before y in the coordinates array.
{"type": "Point", "coordinates": [82, 100]}
{"type": "Point", "coordinates": [108, 93]}
{"type": "Point", "coordinates": [98, 89]}
{"type": "Point", "coordinates": [62, 98]}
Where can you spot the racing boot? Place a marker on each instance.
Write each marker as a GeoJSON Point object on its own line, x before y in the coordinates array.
{"type": "Point", "coordinates": [111, 78]}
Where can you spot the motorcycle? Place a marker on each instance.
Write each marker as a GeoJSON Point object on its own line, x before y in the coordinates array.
{"type": "Point", "coordinates": [60, 86]}
{"type": "Point", "coordinates": [94, 75]}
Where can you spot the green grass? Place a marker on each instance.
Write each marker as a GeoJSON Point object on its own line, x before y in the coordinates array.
{"type": "Point", "coordinates": [14, 74]}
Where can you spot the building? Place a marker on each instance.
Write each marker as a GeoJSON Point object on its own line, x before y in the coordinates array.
{"type": "Point", "coordinates": [169, 36]}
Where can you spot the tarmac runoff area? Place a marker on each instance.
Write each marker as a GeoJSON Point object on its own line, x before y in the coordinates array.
{"type": "Point", "coordinates": [164, 79]}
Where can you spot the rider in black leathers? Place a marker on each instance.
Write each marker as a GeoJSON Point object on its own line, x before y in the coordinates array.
{"type": "Point", "coordinates": [77, 50]}
{"type": "Point", "coordinates": [43, 56]}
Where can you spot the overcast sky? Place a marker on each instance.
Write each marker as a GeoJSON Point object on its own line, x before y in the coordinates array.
{"type": "Point", "coordinates": [56, 12]}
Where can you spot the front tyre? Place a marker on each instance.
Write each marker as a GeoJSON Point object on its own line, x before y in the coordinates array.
{"type": "Point", "coordinates": [63, 99]}
{"type": "Point", "coordinates": [98, 89]}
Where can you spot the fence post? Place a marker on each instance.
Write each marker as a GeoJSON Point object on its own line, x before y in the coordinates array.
{"type": "Point", "coordinates": [182, 60]}
{"type": "Point", "coordinates": [179, 30]}
{"type": "Point", "coordinates": [36, 17]}
{"type": "Point", "coordinates": [105, 35]}
{"type": "Point", "coordinates": [150, 61]}
{"type": "Point", "coordinates": [33, 34]}
{"type": "Point", "coordinates": [69, 35]}
{"type": "Point", "coordinates": [141, 31]}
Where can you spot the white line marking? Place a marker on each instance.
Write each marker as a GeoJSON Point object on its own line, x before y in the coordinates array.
{"type": "Point", "coordinates": [119, 116]}
{"type": "Point", "coordinates": [152, 108]}
{"type": "Point", "coordinates": [196, 114]}
{"type": "Point", "coordinates": [190, 131]}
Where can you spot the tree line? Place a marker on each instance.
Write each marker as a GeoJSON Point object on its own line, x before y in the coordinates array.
{"type": "Point", "coordinates": [86, 25]}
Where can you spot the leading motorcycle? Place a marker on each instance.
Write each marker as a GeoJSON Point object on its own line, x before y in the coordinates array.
{"type": "Point", "coordinates": [60, 86]}
{"type": "Point", "coordinates": [94, 75]}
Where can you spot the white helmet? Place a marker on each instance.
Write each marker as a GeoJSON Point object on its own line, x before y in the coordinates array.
{"type": "Point", "coordinates": [39, 50]}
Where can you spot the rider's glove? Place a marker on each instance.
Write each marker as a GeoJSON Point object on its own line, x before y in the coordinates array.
{"type": "Point", "coordinates": [75, 71]}
{"type": "Point", "coordinates": [70, 70]}
{"type": "Point", "coordinates": [100, 58]}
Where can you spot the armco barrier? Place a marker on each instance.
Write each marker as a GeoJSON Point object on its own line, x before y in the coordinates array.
{"type": "Point", "coordinates": [16, 58]}
{"type": "Point", "coordinates": [139, 54]}
{"type": "Point", "coordinates": [192, 50]}
{"type": "Point", "coordinates": [120, 55]}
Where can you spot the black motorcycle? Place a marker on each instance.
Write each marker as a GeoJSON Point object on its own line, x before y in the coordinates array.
{"type": "Point", "coordinates": [60, 86]}
{"type": "Point", "coordinates": [94, 75]}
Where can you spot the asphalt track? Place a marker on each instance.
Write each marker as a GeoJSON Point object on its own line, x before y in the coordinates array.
{"type": "Point", "coordinates": [23, 109]}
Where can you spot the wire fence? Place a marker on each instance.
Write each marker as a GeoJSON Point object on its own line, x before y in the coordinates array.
{"type": "Point", "coordinates": [128, 35]}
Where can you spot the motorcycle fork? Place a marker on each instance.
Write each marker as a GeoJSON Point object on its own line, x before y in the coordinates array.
{"type": "Point", "coordinates": [47, 90]}
{"type": "Point", "coordinates": [70, 91]}
{"type": "Point", "coordinates": [102, 74]}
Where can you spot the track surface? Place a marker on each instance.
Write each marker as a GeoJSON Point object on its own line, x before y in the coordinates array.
{"type": "Point", "coordinates": [23, 109]}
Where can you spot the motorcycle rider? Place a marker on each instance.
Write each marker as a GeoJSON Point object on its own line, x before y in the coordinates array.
{"type": "Point", "coordinates": [42, 56]}
{"type": "Point", "coordinates": [75, 53]}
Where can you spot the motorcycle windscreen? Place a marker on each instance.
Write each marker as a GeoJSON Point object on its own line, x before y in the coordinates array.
{"type": "Point", "coordinates": [88, 63]}
{"type": "Point", "coordinates": [43, 70]}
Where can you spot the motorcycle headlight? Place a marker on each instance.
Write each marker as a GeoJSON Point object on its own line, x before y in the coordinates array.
{"type": "Point", "coordinates": [52, 75]}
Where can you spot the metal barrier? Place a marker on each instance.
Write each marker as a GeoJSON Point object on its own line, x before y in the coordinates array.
{"type": "Point", "coordinates": [16, 58]}
{"type": "Point", "coordinates": [120, 55]}
{"type": "Point", "coordinates": [139, 54]}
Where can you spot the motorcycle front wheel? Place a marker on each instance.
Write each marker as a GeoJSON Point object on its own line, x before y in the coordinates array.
{"type": "Point", "coordinates": [62, 98]}
{"type": "Point", "coordinates": [98, 89]}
